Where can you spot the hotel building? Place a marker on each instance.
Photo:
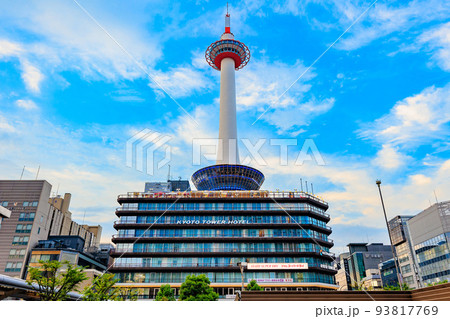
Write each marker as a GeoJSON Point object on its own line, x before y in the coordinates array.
{"type": "Point", "coordinates": [210, 232]}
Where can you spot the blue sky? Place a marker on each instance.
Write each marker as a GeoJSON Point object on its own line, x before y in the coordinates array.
{"type": "Point", "coordinates": [376, 105]}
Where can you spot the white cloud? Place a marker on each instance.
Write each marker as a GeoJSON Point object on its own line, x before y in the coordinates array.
{"type": "Point", "coordinates": [8, 48]}
{"type": "Point", "coordinates": [261, 85]}
{"type": "Point", "coordinates": [31, 76]}
{"type": "Point", "coordinates": [420, 179]}
{"type": "Point", "coordinates": [262, 82]}
{"type": "Point", "coordinates": [389, 157]}
{"type": "Point", "coordinates": [298, 115]}
{"type": "Point", "coordinates": [382, 19]}
{"type": "Point", "coordinates": [414, 120]}
{"type": "Point", "coordinates": [5, 126]}
{"type": "Point", "coordinates": [65, 38]}
{"type": "Point", "coordinates": [180, 81]}
{"type": "Point", "coordinates": [26, 104]}
{"type": "Point", "coordinates": [438, 39]}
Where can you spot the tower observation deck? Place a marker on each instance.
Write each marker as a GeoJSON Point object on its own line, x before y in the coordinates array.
{"type": "Point", "coordinates": [227, 55]}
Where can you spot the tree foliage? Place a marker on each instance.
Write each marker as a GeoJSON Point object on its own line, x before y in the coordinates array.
{"type": "Point", "coordinates": [55, 282]}
{"type": "Point", "coordinates": [103, 289]}
{"type": "Point", "coordinates": [397, 287]}
{"type": "Point", "coordinates": [196, 288]}
{"type": "Point", "coordinates": [165, 293]}
{"type": "Point", "coordinates": [438, 283]}
{"type": "Point", "coordinates": [253, 286]}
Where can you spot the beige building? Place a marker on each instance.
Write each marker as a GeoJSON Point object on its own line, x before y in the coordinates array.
{"type": "Point", "coordinates": [61, 222]}
{"type": "Point", "coordinates": [34, 216]}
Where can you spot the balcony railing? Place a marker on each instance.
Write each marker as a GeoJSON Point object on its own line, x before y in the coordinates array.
{"type": "Point", "coordinates": [225, 194]}
{"type": "Point", "coordinates": [119, 222]}
{"type": "Point", "coordinates": [227, 250]}
{"type": "Point", "coordinates": [282, 208]}
{"type": "Point", "coordinates": [116, 236]}
{"type": "Point", "coordinates": [202, 264]}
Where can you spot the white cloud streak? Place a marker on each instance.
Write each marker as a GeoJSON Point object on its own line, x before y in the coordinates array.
{"type": "Point", "coordinates": [415, 120]}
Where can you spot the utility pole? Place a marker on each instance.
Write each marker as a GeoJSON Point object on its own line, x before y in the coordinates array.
{"type": "Point", "coordinates": [399, 275]}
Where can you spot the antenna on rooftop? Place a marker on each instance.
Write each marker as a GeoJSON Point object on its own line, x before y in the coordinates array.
{"type": "Point", "coordinates": [434, 191]}
{"type": "Point", "coordinates": [37, 174]}
{"type": "Point", "coordinates": [21, 175]}
{"type": "Point", "coordinates": [312, 189]}
{"type": "Point", "coordinates": [301, 184]}
{"type": "Point", "coordinates": [306, 183]}
{"type": "Point", "coordinates": [168, 174]}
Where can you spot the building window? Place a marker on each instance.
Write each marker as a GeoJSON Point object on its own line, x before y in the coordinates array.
{"type": "Point", "coordinates": [24, 228]}
{"type": "Point", "coordinates": [406, 269]}
{"type": "Point", "coordinates": [4, 204]}
{"type": "Point", "coordinates": [26, 217]}
{"type": "Point", "coordinates": [35, 258]}
{"type": "Point", "coordinates": [20, 240]}
{"type": "Point", "coordinates": [13, 266]}
{"type": "Point", "coordinates": [409, 280]}
{"type": "Point", "coordinates": [16, 253]}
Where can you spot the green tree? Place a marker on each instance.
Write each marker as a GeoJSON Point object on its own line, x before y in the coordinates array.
{"type": "Point", "coordinates": [165, 293]}
{"type": "Point", "coordinates": [196, 288]}
{"type": "Point", "coordinates": [438, 283]}
{"type": "Point", "coordinates": [253, 285]}
{"type": "Point", "coordinates": [55, 279]}
{"type": "Point", "coordinates": [102, 289]}
{"type": "Point", "coordinates": [397, 287]}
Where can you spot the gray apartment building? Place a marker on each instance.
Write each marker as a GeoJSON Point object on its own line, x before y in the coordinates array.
{"type": "Point", "coordinates": [34, 216]}
{"type": "Point", "coordinates": [407, 263]}
{"type": "Point", "coordinates": [422, 245]}
{"type": "Point", "coordinates": [429, 232]}
{"type": "Point", "coordinates": [360, 260]}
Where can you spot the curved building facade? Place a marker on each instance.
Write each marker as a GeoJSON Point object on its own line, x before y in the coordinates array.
{"type": "Point", "coordinates": [211, 232]}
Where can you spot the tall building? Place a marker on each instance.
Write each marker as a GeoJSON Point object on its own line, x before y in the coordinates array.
{"type": "Point", "coordinates": [429, 232]}
{"type": "Point", "coordinates": [4, 213]}
{"type": "Point", "coordinates": [34, 216]}
{"type": "Point", "coordinates": [280, 239]}
{"type": "Point", "coordinates": [407, 263]}
{"type": "Point", "coordinates": [363, 257]}
{"type": "Point", "coordinates": [343, 272]}
{"type": "Point", "coordinates": [61, 222]}
{"type": "Point", "coordinates": [422, 245]}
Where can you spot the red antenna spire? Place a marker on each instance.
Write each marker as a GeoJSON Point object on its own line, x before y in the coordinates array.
{"type": "Point", "coordinates": [227, 21]}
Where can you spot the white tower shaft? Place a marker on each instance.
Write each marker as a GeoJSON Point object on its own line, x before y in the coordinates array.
{"type": "Point", "coordinates": [228, 148]}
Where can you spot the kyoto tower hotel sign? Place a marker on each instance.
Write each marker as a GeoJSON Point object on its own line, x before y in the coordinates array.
{"type": "Point", "coordinates": [227, 55]}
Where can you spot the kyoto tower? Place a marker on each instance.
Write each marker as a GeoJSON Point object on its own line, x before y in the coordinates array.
{"type": "Point", "coordinates": [227, 55]}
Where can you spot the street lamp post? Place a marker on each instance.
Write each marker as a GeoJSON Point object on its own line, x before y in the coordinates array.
{"type": "Point", "coordinates": [241, 265]}
{"type": "Point", "coordinates": [399, 275]}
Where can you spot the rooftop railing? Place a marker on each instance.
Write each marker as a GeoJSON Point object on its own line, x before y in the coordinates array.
{"type": "Point", "coordinates": [225, 194]}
